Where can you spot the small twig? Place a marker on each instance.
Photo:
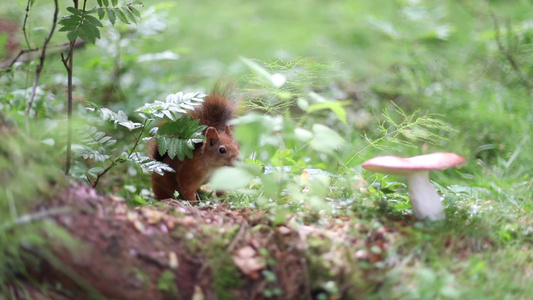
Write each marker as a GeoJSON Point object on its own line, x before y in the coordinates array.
{"type": "Point", "coordinates": [41, 63]}
{"type": "Point", "coordinates": [69, 66]}
{"type": "Point", "coordinates": [510, 58]}
{"type": "Point", "coordinates": [138, 139]}
{"type": "Point", "coordinates": [67, 62]}
{"type": "Point", "coordinates": [121, 160]}
{"type": "Point", "coordinates": [114, 163]}
{"type": "Point", "coordinates": [237, 237]}
{"type": "Point", "coordinates": [25, 219]}
{"type": "Point", "coordinates": [24, 24]}
{"type": "Point", "coordinates": [26, 55]}
{"type": "Point", "coordinates": [88, 179]}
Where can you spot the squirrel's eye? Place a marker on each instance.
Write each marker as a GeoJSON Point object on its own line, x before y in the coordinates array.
{"type": "Point", "coordinates": [222, 150]}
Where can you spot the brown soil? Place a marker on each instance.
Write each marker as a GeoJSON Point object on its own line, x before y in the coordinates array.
{"type": "Point", "coordinates": [177, 251]}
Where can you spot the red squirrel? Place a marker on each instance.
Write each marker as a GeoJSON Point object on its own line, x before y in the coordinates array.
{"type": "Point", "coordinates": [218, 150]}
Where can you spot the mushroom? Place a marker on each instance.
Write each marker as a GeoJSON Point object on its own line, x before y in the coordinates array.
{"type": "Point", "coordinates": [424, 198]}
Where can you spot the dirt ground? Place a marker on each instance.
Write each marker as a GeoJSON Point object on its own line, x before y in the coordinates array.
{"type": "Point", "coordinates": [176, 251]}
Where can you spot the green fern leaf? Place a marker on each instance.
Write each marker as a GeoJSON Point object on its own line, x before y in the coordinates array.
{"type": "Point", "coordinates": [147, 164]}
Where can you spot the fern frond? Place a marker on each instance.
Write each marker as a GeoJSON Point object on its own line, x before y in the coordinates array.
{"type": "Point", "coordinates": [174, 106]}
{"type": "Point", "coordinates": [88, 153]}
{"type": "Point", "coordinates": [119, 118]}
{"type": "Point", "coordinates": [147, 164]}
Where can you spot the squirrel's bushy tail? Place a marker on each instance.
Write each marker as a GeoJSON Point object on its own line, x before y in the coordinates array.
{"type": "Point", "coordinates": [217, 109]}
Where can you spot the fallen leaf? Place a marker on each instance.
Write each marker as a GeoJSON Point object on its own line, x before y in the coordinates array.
{"type": "Point", "coordinates": [172, 260]}
{"type": "Point", "coordinates": [246, 260]}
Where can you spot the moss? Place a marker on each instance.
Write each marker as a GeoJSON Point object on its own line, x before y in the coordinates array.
{"type": "Point", "coordinates": [140, 276]}
{"type": "Point", "coordinates": [182, 233]}
{"type": "Point", "coordinates": [226, 276]}
{"type": "Point", "coordinates": [211, 242]}
{"type": "Point", "coordinates": [167, 285]}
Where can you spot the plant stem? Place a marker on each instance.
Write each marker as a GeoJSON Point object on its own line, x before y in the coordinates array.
{"type": "Point", "coordinates": [40, 66]}
{"type": "Point", "coordinates": [507, 54]}
{"type": "Point", "coordinates": [121, 160]}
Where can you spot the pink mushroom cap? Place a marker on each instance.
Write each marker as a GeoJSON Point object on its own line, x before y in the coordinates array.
{"type": "Point", "coordinates": [395, 165]}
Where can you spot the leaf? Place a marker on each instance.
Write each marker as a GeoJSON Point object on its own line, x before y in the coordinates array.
{"type": "Point", "coordinates": [99, 2]}
{"type": "Point", "coordinates": [249, 262]}
{"type": "Point", "coordinates": [91, 136]}
{"type": "Point", "coordinates": [115, 2]}
{"type": "Point", "coordinates": [69, 23]}
{"type": "Point", "coordinates": [325, 140]}
{"type": "Point", "coordinates": [86, 34]}
{"type": "Point", "coordinates": [75, 11]}
{"type": "Point", "coordinates": [96, 170]}
{"type": "Point", "coordinates": [101, 13]}
{"type": "Point", "coordinates": [134, 11]}
{"type": "Point", "coordinates": [94, 21]}
{"type": "Point", "coordinates": [162, 145]}
{"type": "Point", "coordinates": [68, 28]}
{"type": "Point", "coordinates": [72, 36]}
{"type": "Point", "coordinates": [111, 15]}
{"type": "Point", "coordinates": [88, 153]}
{"type": "Point", "coordinates": [156, 166]}
{"type": "Point", "coordinates": [228, 178]}
{"type": "Point", "coordinates": [106, 3]}
{"type": "Point", "coordinates": [303, 134]}
{"type": "Point", "coordinates": [335, 106]}
{"type": "Point", "coordinates": [120, 15]}
{"type": "Point", "coordinates": [148, 164]}
{"type": "Point", "coordinates": [174, 148]}
{"type": "Point", "coordinates": [81, 24]}
{"type": "Point", "coordinates": [130, 125]}
{"type": "Point", "coordinates": [174, 106]}
{"type": "Point", "coordinates": [90, 32]}
{"type": "Point", "coordinates": [119, 118]}
{"type": "Point", "coordinates": [258, 69]}
{"type": "Point", "coordinates": [128, 14]}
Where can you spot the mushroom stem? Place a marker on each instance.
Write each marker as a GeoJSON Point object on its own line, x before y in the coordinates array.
{"type": "Point", "coordinates": [424, 198]}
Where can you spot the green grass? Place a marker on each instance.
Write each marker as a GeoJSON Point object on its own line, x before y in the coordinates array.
{"type": "Point", "coordinates": [389, 52]}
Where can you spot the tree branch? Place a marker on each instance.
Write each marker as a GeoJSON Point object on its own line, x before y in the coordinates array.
{"type": "Point", "coordinates": [27, 54]}
{"type": "Point", "coordinates": [41, 61]}
{"type": "Point", "coordinates": [24, 24]}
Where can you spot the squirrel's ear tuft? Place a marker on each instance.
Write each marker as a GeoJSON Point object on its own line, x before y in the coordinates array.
{"type": "Point", "coordinates": [227, 130]}
{"type": "Point", "coordinates": [211, 134]}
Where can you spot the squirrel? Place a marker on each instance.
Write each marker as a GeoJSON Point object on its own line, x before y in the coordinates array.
{"type": "Point", "coordinates": [218, 150]}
